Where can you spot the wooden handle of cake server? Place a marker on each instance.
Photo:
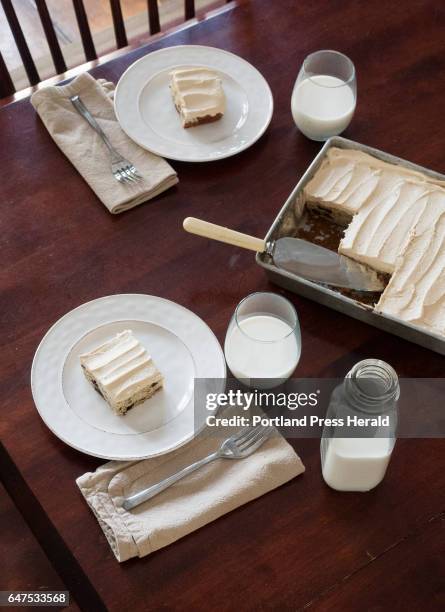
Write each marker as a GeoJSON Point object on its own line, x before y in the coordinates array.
{"type": "Point", "coordinates": [223, 234]}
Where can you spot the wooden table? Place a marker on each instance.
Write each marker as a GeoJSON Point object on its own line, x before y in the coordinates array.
{"type": "Point", "coordinates": [27, 567]}
{"type": "Point", "coordinates": [302, 545]}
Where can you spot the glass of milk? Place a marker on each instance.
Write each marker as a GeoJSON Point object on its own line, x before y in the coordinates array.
{"type": "Point", "coordinates": [263, 340]}
{"type": "Point", "coordinates": [324, 96]}
{"type": "Point", "coordinates": [368, 395]}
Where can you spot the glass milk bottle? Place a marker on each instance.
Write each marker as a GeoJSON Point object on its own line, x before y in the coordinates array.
{"type": "Point", "coordinates": [368, 396]}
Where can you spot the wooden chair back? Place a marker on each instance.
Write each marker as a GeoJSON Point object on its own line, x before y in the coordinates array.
{"type": "Point", "coordinates": [6, 84]}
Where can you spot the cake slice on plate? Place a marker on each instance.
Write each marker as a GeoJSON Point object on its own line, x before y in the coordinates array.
{"type": "Point", "coordinates": [198, 95]}
{"type": "Point", "coordinates": [122, 371]}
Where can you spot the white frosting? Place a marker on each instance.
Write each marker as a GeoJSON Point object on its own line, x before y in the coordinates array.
{"type": "Point", "coordinates": [121, 367]}
{"type": "Point", "coordinates": [347, 179]}
{"type": "Point", "coordinates": [344, 185]}
{"type": "Point", "coordinates": [380, 230]}
{"type": "Point", "coordinates": [197, 93]}
{"type": "Point", "coordinates": [416, 291]}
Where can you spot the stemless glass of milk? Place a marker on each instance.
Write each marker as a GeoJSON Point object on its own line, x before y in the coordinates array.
{"type": "Point", "coordinates": [324, 96]}
{"type": "Point", "coordinates": [263, 341]}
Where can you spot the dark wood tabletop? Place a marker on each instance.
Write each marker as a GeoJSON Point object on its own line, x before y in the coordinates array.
{"type": "Point", "coordinates": [25, 566]}
{"type": "Point", "coordinates": [302, 545]}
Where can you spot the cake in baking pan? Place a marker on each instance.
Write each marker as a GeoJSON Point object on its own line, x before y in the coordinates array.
{"type": "Point", "coordinates": [394, 222]}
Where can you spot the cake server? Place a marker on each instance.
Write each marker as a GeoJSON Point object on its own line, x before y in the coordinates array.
{"type": "Point", "coordinates": [299, 257]}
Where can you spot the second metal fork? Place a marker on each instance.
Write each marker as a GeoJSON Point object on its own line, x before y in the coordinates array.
{"type": "Point", "coordinates": [122, 169]}
{"type": "Point", "coordinates": [241, 445]}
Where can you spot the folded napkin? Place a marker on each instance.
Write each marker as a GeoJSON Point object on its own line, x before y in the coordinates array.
{"type": "Point", "coordinates": [194, 501]}
{"type": "Point", "coordinates": [86, 151]}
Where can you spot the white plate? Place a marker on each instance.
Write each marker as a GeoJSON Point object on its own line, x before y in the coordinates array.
{"type": "Point", "coordinates": [183, 347]}
{"type": "Point", "coordinates": [145, 109]}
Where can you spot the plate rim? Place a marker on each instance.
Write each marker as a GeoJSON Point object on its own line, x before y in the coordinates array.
{"type": "Point", "coordinates": [213, 157]}
{"type": "Point", "coordinates": [181, 442]}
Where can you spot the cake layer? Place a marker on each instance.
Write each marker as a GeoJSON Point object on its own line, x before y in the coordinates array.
{"type": "Point", "coordinates": [122, 371]}
{"type": "Point", "coordinates": [416, 291]}
{"type": "Point", "coordinates": [198, 95]}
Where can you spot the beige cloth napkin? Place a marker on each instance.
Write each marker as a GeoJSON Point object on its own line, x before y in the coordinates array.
{"type": "Point", "coordinates": [85, 150]}
{"type": "Point", "coordinates": [194, 501]}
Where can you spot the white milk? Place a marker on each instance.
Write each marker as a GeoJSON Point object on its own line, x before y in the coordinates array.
{"type": "Point", "coordinates": [321, 108]}
{"type": "Point", "coordinates": [355, 464]}
{"type": "Point", "coordinates": [262, 346]}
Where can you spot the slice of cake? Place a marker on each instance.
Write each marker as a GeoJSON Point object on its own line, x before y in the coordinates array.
{"type": "Point", "coordinates": [198, 95]}
{"type": "Point", "coordinates": [341, 185]}
{"type": "Point", "coordinates": [380, 231]}
{"type": "Point", "coordinates": [122, 371]}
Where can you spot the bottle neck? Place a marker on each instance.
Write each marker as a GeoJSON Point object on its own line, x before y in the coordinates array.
{"type": "Point", "coordinates": [372, 386]}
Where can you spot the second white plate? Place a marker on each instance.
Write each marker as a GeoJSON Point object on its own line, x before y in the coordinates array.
{"type": "Point", "coordinates": [182, 346]}
{"type": "Point", "coordinates": [145, 109]}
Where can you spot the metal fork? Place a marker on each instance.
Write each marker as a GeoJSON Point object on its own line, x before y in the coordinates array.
{"type": "Point", "coordinates": [239, 446]}
{"type": "Point", "coordinates": [122, 169]}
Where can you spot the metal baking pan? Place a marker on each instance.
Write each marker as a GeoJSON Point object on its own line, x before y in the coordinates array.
{"type": "Point", "coordinates": [285, 222]}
